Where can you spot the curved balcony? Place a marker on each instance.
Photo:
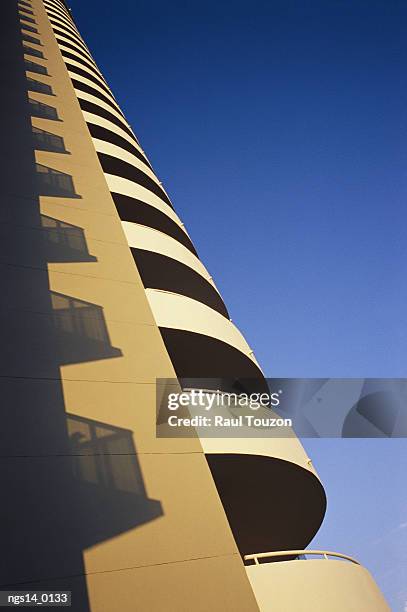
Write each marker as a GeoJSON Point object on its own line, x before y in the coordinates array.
{"type": "Point", "coordinates": [268, 486]}
{"type": "Point", "coordinates": [334, 582]}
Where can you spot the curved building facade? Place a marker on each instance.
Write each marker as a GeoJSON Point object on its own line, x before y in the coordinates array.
{"type": "Point", "coordinates": [185, 301]}
{"type": "Point", "coordinates": [106, 294]}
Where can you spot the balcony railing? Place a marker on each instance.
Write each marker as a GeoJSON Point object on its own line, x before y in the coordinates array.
{"type": "Point", "coordinates": [326, 554]}
{"type": "Point", "coordinates": [311, 580]}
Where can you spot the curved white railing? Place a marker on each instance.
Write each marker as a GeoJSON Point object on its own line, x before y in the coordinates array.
{"type": "Point", "coordinates": [290, 553]}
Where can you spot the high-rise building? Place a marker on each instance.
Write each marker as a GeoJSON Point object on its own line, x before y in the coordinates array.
{"type": "Point", "coordinates": [102, 294]}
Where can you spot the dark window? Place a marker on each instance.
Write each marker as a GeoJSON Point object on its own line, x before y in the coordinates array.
{"type": "Point", "coordinates": [45, 141]}
{"type": "Point", "coordinates": [32, 51]}
{"type": "Point", "coordinates": [39, 109]}
{"type": "Point", "coordinates": [54, 183]}
{"type": "Point", "coordinates": [29, 28]}
{"type": "Point", "coordinates": [39, 87]}
{"type": "Point", "coordinates": [33, 67]}
{"type": "Point", "coordinates": [31, 39]}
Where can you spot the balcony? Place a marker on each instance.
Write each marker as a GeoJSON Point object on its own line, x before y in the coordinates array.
{"type": "Point", "coordinates": [268, 486]}
{"type": "Point", "coordinates": [289, 580]}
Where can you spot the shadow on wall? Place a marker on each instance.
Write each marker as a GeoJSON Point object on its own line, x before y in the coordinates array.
{"type": "Point", "coordinates": [64, 242]}
{"type": "Point", "coordinates": [68, 482]}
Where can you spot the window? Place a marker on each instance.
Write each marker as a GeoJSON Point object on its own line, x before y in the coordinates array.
{"type": "Point", "coordinates": [33, 67]}
{"type": "Point", "coordinates": [31, 39]}
{"type": "Point", "coordinates": [45, 141]}
{"type": "Point", "coordinates": [39, 87]}
{"type": "Point", "coordinates": [32, 51]}
{"type": "Point", "coordinates": [54, 183]}
{"type": "Point", "coordinates": [38, 109]}
{"type": "Point", "coordinates": [29, 28]}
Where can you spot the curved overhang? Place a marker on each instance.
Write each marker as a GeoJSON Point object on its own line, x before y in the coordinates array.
{"type": "Point", "coordinates": [127, 187]}
{"type": "Point", "coordinates": [150, 239]}
{"type": "Point", "coordinates": [141, 213]}
{"type": "Point", "coordinates": [113, 165]}
{"type": "Point", "coordinates": [60, 22]}
{"type": "Point", "coordinates": [83, 95]}
{"type": "Point", "coordinates": [315, 585]}
{"type": "Point", "coordinates": [93, 118]}
{"type": "Point", "coordinates": [82, 58]}
{"type": "Point", "coordinates": [108, 148]}
{"type": "Point", "coordinates": [213, 359]}
{"type": "Point", "coordinates": [94, 84]}
{"type": "Point", "coordinates": [271, 504]}
{"type": "Point", "coordinates": [175, 311]}
{"type": "Point", "coordinates": [167, 274]}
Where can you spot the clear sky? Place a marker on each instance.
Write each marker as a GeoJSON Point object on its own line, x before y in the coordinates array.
{"type": "Point", "coordinates": [279, 130]}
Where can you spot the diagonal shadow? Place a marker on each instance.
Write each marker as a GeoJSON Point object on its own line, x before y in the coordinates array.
{"type": "Point", "coordinates": [68, 482]}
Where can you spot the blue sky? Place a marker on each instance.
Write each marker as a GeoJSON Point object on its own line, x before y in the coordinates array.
{"type": "Point", "coordinates": [279, 130]}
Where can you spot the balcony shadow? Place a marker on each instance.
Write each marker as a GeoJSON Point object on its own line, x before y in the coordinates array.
{"type": "Point", "coordinates": [91, 492]}
{"type": "Point", "coordinates": [80, 330]}
{"type": "Point", "coordinates": [47, 141]}
{"type": "Point", "coordinates": [51, 182]}
{"type": "Point", "coordinates": [106, 468]}
{"type": "Point", "coordinates": [64, 242]}
{"type": "Point", "coordinates": [71, 482]}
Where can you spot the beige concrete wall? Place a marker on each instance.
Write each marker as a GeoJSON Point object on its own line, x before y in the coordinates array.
{"type": "Point", "coordinates": [315, 586]}
{"type": "Point", "coordinates": [93, 493]}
